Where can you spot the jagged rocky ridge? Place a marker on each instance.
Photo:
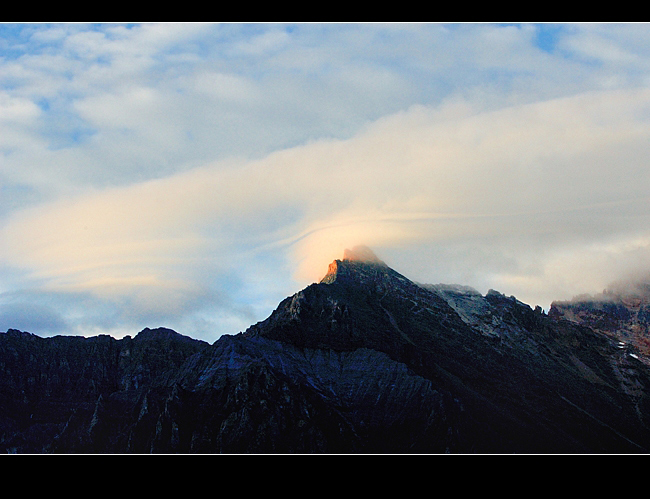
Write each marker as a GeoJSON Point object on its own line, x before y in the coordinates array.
{"type": "Point", "coordinates": [366, 361]}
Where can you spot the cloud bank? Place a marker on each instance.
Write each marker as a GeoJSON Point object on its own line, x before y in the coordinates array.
{"type": "Point", "coordinates": [192, 176]}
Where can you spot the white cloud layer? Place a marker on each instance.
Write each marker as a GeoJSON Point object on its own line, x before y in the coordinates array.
{"type": "Point", "coordinates": [191, 176]}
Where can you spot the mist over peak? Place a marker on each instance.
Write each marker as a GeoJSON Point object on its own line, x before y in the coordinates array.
{"type": "Point", "coordinates": [361, 253]}
{"type": "Point", "coordinates": [633, 290]}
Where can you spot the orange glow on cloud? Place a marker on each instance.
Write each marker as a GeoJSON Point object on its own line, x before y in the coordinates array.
{"type": "Point", "coordinates": [423, 176]}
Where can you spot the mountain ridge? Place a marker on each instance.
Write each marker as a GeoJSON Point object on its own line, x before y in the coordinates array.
{"type": "Point", "coordinates": [364, 361]}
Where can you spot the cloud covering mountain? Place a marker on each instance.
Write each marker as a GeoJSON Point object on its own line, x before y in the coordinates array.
{"type": "Point", "coordinates": [192, 175]}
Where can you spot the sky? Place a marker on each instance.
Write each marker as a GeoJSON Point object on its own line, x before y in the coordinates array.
{"type": "Point", "coordinates": [191, 175]}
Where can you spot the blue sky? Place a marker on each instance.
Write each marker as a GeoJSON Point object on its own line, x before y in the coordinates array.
{"type": "Point", "coordinates": [193, 175]}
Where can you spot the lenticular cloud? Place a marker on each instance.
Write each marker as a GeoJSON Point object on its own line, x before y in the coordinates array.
{"type": "Point", "coordinates": [486, 198]}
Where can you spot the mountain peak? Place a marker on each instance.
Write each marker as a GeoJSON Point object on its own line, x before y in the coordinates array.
{"type": "Point", "coordinates": [361, 265]}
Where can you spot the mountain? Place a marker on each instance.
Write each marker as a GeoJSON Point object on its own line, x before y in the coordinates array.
{"type": "Point", "coordinates": [365, 361]}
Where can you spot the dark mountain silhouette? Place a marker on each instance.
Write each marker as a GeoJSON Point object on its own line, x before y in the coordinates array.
{"type": "Point", "coordinates": [365, 361]}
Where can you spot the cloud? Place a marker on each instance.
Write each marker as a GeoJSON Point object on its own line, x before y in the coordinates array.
{"type": "Point", "coordinates": [514, 191]}
{"type": "Point", "coordinates": [31, 317]}
{"type": "Point", "coordinates": [516, 185]}
{"type": "Point", "coordinates": [195, 175]}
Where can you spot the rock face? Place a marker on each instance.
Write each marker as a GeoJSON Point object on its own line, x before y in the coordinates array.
{"type": "Point", "coordinates": [50, 386]}
{"type": "Point", "coordinates": [365, 361]}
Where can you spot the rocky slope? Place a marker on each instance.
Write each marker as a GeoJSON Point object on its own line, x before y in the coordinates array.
{"type": "Point", "coordinates": [621, 312]}
{"type": "Point", "coordinates": [365, 361]}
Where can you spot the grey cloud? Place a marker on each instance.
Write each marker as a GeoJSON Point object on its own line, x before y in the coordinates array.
{"type": "Point", "coordinates": [321, 81]}
{"type": "Point", "coordinates": [32, 317]}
